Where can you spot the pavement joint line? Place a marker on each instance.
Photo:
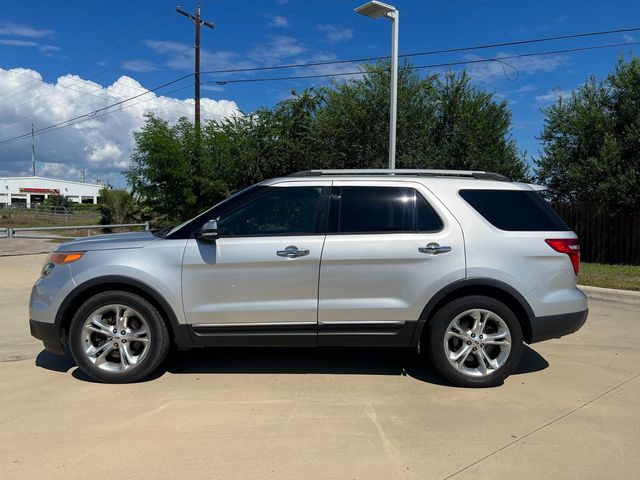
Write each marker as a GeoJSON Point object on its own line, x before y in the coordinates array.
{"type": "Point", "coordinates": [551, 422]}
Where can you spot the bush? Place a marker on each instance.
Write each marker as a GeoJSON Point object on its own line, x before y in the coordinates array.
{"type": "Point", "coordinates": [117, 206]}
{"type": "Point", "coordinates": [57, 201]}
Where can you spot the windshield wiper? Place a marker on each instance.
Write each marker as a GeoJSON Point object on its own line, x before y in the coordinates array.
{"type": "Point", "coordinates": [162, 233]}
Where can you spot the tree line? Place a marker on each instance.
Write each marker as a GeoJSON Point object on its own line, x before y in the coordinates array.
{"type": "Point", "coordinates": [590, 141]}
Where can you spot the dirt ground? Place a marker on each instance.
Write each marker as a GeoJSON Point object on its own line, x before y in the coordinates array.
{"type": "Point", "coordinates": [25, 246]}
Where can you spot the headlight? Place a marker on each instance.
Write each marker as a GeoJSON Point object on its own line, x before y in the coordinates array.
{"type": "Point", "coordinates": [59, 258]}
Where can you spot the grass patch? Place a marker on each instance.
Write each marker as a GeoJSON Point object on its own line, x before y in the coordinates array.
{"type": "Point", "coordinates": [27, 218]}
{"type": "Point", "coordinates": [624, 277]}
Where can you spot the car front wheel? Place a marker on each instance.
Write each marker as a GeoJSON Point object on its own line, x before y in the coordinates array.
{"type": "Point", "coordinates": [118, 337]}
{"type": "Point", "coordinates": [475, 341]}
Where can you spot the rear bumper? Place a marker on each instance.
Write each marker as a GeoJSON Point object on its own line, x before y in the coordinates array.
{"type": "Point", "coordinates": [50, 335]}
{"type": "Point", "coordinates": [556, 326]}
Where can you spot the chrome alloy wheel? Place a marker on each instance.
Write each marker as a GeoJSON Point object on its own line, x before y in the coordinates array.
{"type": "Point", "coordinates": [115, 338]}
{"type": "Point", "coordinates": [477, 342]}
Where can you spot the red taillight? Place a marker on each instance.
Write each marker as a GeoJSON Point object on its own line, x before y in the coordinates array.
{"type": "Point", "coordinates": [570, 246]}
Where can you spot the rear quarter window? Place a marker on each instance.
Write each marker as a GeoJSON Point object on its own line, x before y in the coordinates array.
{"type": "Point", "coordinates": [515, 210]}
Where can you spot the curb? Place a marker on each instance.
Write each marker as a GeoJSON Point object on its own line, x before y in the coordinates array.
{"type": "Point", "coordinates": [628, 297]}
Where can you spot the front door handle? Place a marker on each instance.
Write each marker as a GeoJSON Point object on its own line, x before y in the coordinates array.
{"type": "Point", "coordinates": [434, 249]}
{"type": "Point", "coordinates": [292, 252]}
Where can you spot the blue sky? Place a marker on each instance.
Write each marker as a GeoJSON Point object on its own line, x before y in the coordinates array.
{"type": "Point", "coordinates": [82, 51]}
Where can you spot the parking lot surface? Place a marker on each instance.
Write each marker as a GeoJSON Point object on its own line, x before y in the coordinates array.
{"type": "Point", "coordinates": [572, 410]}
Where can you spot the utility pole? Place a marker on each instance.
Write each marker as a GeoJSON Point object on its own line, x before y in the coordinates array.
{"type": "Point", "coordinates": [33, 152]}
{"type": "Point", "coordinates": [82, 175]}
{"type": "Point", "coordinates": [198, 22]}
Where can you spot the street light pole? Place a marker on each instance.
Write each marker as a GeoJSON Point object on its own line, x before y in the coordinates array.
{"type": "Point", "coordinates": [375, 9]}
{"type": "Point", "coordinates": [395, 19]}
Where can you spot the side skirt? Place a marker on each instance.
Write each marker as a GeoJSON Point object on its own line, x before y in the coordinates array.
{"type": "Point", "coordinates": [334, 334]}
{"type": "Point", "coordinates": [366, 334]}
{"type": "Point", "coordinates": [255, 335]}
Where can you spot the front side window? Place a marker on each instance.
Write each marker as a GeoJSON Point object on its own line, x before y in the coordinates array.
{"type": "Point", "coordinates": [278, 211]}
{"type": "Point", "coordinates": [385, 210]}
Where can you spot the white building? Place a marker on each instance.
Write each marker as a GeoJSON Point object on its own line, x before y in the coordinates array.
{"type": "Point", "coordinates": [28, 191]}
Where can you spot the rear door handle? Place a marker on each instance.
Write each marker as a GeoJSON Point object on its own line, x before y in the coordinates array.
{"type": "Point", "coordinates": [434, 249]}
{"type": "Point", "coordinates": [292, 252]}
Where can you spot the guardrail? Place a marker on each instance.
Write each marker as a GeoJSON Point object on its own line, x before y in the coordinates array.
{"type": "Point", "coordinates": [16, 232]}
{"type": "Point", "coordinates": [4, 232]}
{"type": "Point", "coordinates": [76, 213]}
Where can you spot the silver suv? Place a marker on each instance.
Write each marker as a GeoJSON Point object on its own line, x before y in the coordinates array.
{"type": "Point", "coordinates": [464, 265]}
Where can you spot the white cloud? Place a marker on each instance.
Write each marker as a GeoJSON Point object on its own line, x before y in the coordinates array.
{"type": "Point", "coordinates": [629, 38]}
{"type": "Point", "coordinates": [179, 56]}
{"type": "Point", "coordinates": [212, 87]}
{"type": "Point", "coordinates": [19, 30]}
{"type": "Point", "coordinates": [553, 95]}
{"type": "Point", "coordinates": [278, 21]}
{"type": "Point", "coordinates": [336, 34]}
{"type": "Point", "coordinates": [18, 43]}
{"type": "Point", "coordinates": [139, 66]}
{"type": "Point", "coordinates": [491, 71]}
{"type": "Point", "coordinates": [526, 88]}
{"type": "Point", "coordinates": [277, 48]}
{"type": "Point", "coordinates": [48, 48]}
{"type": "Point", "coordinates": [101, 145]}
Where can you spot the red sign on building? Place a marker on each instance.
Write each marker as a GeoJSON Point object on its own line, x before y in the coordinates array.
{"type": "Point", "coordinates": [50, 191]}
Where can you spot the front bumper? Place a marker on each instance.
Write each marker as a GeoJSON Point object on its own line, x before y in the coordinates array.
{"type": "Point", "coordinates": [50, 334]}
{"type": "Point", "coordinates": [556, 326]}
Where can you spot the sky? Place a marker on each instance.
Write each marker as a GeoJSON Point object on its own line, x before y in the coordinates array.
{"type": "Point", "coordinates": [61, 60]}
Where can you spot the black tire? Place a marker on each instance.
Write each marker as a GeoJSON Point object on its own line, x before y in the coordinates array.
{"type": "Point", "coordinates": [158, 334]}
{"type": "Point", "coordinates": [437, 329]}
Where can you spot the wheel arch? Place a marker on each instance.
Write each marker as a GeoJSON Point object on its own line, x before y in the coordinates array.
{"type": "Point", "coordinates": [478, 286]}
{"type": "Point", "coordinates": [180, 334]}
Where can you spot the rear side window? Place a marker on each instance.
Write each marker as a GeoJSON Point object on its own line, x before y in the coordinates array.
{"type": "Point", "coordinates": [515, 210]}
{"type": "Point", "coordinates": [384, 210]}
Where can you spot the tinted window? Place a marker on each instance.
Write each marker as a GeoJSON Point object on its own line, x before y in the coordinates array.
{"type": "Point", "coordinates": [384, 209]}
{"type": "Point", "coordinates": [427, 220]}
{"type": "Point", "coordinates": [279, 211]}
{"type": "Point", "coordinates": [515, 210]}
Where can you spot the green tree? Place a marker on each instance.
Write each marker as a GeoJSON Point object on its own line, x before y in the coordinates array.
{"type": "Point", "coordinates": [117, 207]}
{"type": "Point", "coordinates": [443, 122]}
{"type": "Point", "coordinates": [163, 168]}
{"type": "Point", "coordinates": [57, 201]}
{"type": "Point", "coordinates": [591, 141]}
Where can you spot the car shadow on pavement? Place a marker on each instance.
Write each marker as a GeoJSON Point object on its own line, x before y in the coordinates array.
{"type": "Point", "coordinates": [336, 361]}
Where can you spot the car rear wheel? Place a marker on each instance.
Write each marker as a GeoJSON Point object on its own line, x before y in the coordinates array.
{"type": "Point", "coordinates": [118, 337]}
{"type": "Point", "coordinates": [475, 341]}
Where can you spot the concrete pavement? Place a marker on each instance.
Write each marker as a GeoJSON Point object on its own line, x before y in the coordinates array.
{"type": "Point", "coordinates": [571, 411]}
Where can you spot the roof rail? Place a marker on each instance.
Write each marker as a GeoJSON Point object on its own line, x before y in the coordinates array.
{"type": "Point", "coordinates": [406, 171]}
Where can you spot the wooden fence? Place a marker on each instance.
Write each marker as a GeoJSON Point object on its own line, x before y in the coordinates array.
{"type": "Point", "coordinates": [605, 237]}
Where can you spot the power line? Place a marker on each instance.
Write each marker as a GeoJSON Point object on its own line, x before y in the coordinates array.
{"type": "Point", "coordinates": [433, 65]}
{"type": "Point", "coordinates": [97, 48]}
{"type": "Point", "coordinates": [25, 87]}
{"type": "Point", "coordinates": [93, 117]}
{"type": "Point", "coordinates": [93, 113]}
{"type": "Point", "coordinates": [89, 83]}
{"type": "Point", "coordinates": [430, 52]}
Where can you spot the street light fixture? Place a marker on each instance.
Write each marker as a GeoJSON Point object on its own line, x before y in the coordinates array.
{"type": "Point", "coordinates": [376, 10]}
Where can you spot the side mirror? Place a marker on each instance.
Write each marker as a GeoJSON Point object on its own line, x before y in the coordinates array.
{"type": "Point", "coordinates": [208, 232]}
